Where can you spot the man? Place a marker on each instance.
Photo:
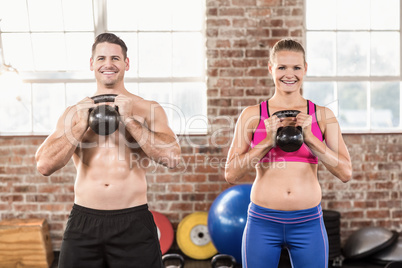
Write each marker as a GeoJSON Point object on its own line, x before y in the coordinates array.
{"type": "Point", "coordinates": [110, 224]}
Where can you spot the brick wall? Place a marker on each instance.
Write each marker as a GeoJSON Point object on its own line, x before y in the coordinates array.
{"type": "Point", "coordinates": [238, 35]}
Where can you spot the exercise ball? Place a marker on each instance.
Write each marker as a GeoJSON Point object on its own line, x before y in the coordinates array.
{"type": "Point", "coordinates": [227, 218]}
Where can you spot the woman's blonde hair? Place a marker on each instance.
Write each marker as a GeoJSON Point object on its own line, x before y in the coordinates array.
{"type": "Point", "coordinates": [286, 45]}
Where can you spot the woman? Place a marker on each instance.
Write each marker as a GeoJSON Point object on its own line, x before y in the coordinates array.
{"type": "Point", "coordinates": [285, 210]}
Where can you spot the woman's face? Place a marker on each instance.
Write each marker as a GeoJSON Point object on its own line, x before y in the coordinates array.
{"type": "Point", "coordinates": [288, 69]}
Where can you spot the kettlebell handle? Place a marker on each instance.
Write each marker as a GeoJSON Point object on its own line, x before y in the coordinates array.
{"type": "Point", "coordinates": [286, 113]}
{"type": "Point", "coordinates": [104, 98]}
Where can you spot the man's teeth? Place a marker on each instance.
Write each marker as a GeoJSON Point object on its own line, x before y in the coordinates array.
{"type": "Point", "coordinates": [108, 72]}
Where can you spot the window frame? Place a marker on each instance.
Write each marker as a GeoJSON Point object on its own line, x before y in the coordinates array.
{"type": "Point", "coordinates": [99, 9]}
{"type": "Point", "coordinates": [368, 79]}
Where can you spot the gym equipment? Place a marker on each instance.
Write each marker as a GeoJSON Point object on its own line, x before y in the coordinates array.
{"type": "Point", "coordinates": [165, 231]}
{"type": "Point", "coordinates": [193, 237]}
{"type": "Point", "coordinates": [393, 253]}
{"type": "Point", "coordinates": [227, 218]}
{"type": "Point", "coordinates": [367, 241]}
{"type": "Point", "coordinates": [394, 264]}
{"type": "Point", "coordinates": [332, 225]}
{"type": "Point", "coordinates": [173, 260]}
{"type": "Point", "coordinates": [289, 138]}
{"type": "Point", "coordinates": [104, 119]}
{"type": "Point", "coordinates": [223, 261]}
{"type": "Point", "coordinates": [25, 243]}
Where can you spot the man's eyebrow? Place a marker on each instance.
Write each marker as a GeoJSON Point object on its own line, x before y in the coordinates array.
{"type": "Point", "coordinates": [112, 56]}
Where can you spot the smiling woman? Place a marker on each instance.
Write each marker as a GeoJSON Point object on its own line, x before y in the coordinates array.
{"type": "Point", "coordinates": [281, 194]}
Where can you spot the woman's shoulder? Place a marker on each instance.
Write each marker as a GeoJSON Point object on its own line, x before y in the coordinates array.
{"type": "Point", "coordinates": [324, 113]}
{"type": "Point", "coordinates": [251, 111]}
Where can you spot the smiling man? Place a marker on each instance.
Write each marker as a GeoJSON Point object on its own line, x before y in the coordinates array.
{"type": "Point", "coordinates": [110, 224]}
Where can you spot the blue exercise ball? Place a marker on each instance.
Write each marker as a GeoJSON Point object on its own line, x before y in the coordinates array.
{"type": "Point", "coordinates": [227, 218]}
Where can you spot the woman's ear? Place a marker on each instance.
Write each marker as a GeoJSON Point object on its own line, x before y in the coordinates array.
{"type": "Point", "coordinates": [269, 68]}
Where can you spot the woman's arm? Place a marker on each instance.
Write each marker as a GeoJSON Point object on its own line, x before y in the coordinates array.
{"type": "Point", "coordinates": [333, 153]}
{"type": "Point", "coordinates": [241, 159]}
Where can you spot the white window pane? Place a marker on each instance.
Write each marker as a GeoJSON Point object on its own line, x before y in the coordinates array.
{"type": "Point", "coordinates": [78, 19]}
{"type": "Point", "coordinates": [385, 15]}
{"type": "Point", "coordinates": [155, 54]}
{"type": "Point", "coordinates": [15, 104]}
{"type": "Point", "coordinates": [188, 54]}
{"type": "Point", "coordinates": [79, 47]}
{"type": "Point", "coordinates": [321, 53]}
{"type": "Point", "coordinates": [385, 104]}
{"type": "Point", "coordinates": [320, 14]}
{"type": "Point", "coordinates": [353, 15]}
{"type": "Point", "coordinates": [48, 105]}
{"type": "Point", "coordinates": [51, 20]}
{"type": "Point", "coordinates": [321, 93]}
{"type": "Point", "coordinates": [155, 15]}
{"type": "Point", "coordinates": [122, 15]}
{"type": "Point", "coordinates": [49, 51]}
{"type": "Point", "coordinates": [353, 104]}
{"type": "Point", "coordinates": [191, 101]}
{"type": "Point", "coordinates": [131, 41]}
{"type": "Point", "coordinates": [76, 92]}
{"type": "Point", "coordinates": [385, 47]}
{"type": "Point", "coordinates": [14, 15]}
{"type": "Point", "coordinates": [132, 88]}
{"type": "Point", "coordinates": [160, 92]}
{"type": "Point", "coordinates": [18, 51]}
{"type": "Point", "coordinates": [353, 52]}
{"type": "Point", "coordinates": [188, 15]}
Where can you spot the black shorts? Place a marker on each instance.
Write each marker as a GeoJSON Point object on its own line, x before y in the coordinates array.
{"type": "Point", "coordinates": [110, 238]}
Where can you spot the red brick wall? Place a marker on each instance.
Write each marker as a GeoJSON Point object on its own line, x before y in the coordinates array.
{"type": "Point", "coordinates": [238, 35]}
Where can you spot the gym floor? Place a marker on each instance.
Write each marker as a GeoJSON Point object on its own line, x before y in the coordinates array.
{"type": "Point", "coordinates": [284, 263]}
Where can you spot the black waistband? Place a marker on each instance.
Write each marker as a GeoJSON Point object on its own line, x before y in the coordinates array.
{"type": "Point", "coordinates": [116, 212]}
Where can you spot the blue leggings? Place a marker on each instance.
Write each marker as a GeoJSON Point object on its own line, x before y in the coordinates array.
{"type": "Point", "coordinates": [301, 232]}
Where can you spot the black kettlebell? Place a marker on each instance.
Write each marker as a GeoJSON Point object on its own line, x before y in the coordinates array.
{"type": "Point", "coordinates": [104, 119]}
{"type": "Point", "coordinates": [223, 261]}
{"type": "Point", "coordinates": [173, 260]}
{"type": "Point", "coordinates": [289, 138]}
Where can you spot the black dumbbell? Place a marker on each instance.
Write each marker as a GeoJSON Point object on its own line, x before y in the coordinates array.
{"type": "Point", "coordinates": [104, 119]}
{"type": "Point", "coordinates": [289, 138]}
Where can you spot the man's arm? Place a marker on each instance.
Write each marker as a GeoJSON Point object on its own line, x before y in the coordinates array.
{"type": "Point", "coordinates": [154, 136]}
{"type": "Point", "coordinates": [59, 147]}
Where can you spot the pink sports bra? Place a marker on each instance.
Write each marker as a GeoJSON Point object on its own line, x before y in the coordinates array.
{"type": "Point", "coordinates": [304, 154]}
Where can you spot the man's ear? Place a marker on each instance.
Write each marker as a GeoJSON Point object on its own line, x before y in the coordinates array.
{"type": "Point", "coordinates": [91, 64]}
{"type": "Point", "coordinates": [127, 63]}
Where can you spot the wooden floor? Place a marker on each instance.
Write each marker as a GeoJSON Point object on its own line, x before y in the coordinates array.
{"type": "Point", "coordinates": [284, 263]}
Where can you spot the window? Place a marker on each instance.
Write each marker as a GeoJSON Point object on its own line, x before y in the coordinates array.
{"type": "Point", "coordinates": [49, 43]}
{"type": "Point", "coordinates": [353, 50]}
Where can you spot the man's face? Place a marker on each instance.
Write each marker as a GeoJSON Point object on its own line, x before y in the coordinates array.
{"type": "Point", "coordinates": [108, 64]}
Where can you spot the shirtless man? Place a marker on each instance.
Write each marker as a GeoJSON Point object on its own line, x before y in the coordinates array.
{"type": "Point", "coordinates": [110, 224]}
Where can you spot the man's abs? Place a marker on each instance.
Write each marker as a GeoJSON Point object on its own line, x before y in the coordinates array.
{"type": "Point", "coordinates": [111, 191]}
{"type": "Point", "coordinates": [110, 177]}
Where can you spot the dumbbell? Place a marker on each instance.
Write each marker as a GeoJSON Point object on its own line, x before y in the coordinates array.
{"type": "Point", "coordinates": [223, 261]}
{"type": "Point", "coordinates": [289, 138]}
{"type": "Point", "coordinates": [104, 119]}
{"type": "Point", "coordinates": [176, 259]}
